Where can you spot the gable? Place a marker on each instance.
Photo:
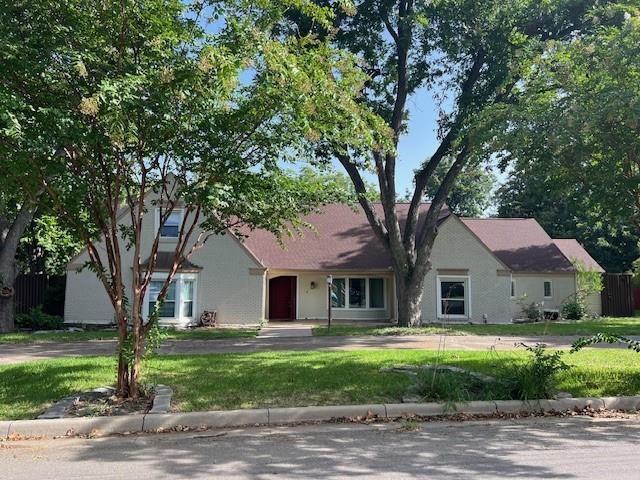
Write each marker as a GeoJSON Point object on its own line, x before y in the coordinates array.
{"type": "Point", "coordinates": [520, 243]}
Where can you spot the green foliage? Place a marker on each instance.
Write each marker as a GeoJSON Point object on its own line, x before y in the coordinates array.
{"type": "Point", "coordinates": [589, 281]}
{"type": "Point", "coordinates": [472, 193]}
{"type": "Point", "coordinates": [636, 272]}
{"type": "Point", "coordinates": [535, 377]}
{"type": "Point", "coordinates": [571, 139]}
{"type": "Point", "coordinates": [36, 319]}
{"type": "Point", "coordinates": [574, 309]}
{"type": "Point", "coordinates": [531, 310]}
{"type": "Point", "coordinates": [454, 387]}
{"type": "Point", "coordinates": [47, 247]}
{"type": "Point", "coordinates": [564, 211]}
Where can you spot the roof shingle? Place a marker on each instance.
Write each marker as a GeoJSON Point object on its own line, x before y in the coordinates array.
{"type": "Point", "coordinates": [520, 243]}
{"type": "Point", "coordinates": [572, 249]}
{"type": "Point", "coordinates": [342, 240]}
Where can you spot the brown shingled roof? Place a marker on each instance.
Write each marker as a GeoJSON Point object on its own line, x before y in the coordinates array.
{"type": "Point", "coordinates": [343, 240]}
{"type": "Point", "coordinates": [520, 243]}
{"type": "Point", "coordinates": [164, 262]}
{"type": "Point", "coordinates": [573, 250]}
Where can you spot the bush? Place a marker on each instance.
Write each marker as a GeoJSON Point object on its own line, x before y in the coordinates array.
{"type": "Point", "coordinates": [36, 319]}
{"type": "Point", "coordinates": [446, 386]}
{"type": "Point", "coordinates": [574, 309]}
{"type": "Point", "coordinates": [532, 311]}
{"type": "Point", "coordinates": [535, 377]}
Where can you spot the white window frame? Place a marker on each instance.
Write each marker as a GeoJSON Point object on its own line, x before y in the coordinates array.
{"type": "Point", "coordinates": [467, 297]}
{"type": "Point", "coordinates": [157, 222]}
{"type": "Point", "coordinates": [550, 282]}
{"type": "Point", "coordinates": [366, 294]}
{"type": "Point", "coordinates": [512, 288]}
{"type": "Point", "coordinates": [179, 279]}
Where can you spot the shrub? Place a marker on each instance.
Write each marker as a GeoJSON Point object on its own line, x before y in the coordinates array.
{"type": "Point", "coordinates": [535, 377]}
{"type": "Point", "coordinates": [574, 309]}
{"type": "Point", "coordinates": [447, 386]}
{"type": "Point", "coordinates": [533, 311]}
{"type": "Point", "coordinates": [36, 319]}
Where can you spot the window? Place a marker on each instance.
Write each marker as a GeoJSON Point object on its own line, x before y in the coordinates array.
{"type": "Point", "coordinates": [376, 293]}
{"type": "Point", "coordinates": [171, 227]}
{"type": "Point", "coordinates": [548, 289]}
{"type": "Point", "coordinates": [168, 307]}
{"type": "Point", "coordinates": [179, 303]}
{"type": "Point", "coordinates": [357, 293]}
{"type": "Point", "coordinates": [338, 293]}
{"type": "Point", "coordinates": [513, 288]}
{"type": "Point", "coordinates": [453, 297]}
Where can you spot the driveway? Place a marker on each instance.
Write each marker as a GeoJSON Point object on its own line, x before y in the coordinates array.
{"type": "Point", "coordinates": [564, 448]}
{"type": "Point", "coordinates": [15, 353]}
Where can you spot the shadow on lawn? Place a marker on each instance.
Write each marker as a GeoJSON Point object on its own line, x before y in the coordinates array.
{"type": "Point", "coordinates": [464, 451]}
{"type": "Point", "coordinates": [26, 388]}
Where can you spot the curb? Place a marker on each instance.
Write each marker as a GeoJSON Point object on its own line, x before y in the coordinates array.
{"type": "Point", "coordinates": [155, 422]}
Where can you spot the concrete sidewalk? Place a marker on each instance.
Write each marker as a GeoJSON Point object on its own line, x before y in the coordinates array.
{"type": "Point", "coordinates": [16, 353]}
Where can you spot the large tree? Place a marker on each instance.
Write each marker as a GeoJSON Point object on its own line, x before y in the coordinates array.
{"type": "Point", "coordinates": [564, 211]}
{"type": "Point", "coordinates": [471, 52]}
{"type": "Point", "coordinates": [122, 108]}
{"type": "Point", "coordinates": [573, 132]}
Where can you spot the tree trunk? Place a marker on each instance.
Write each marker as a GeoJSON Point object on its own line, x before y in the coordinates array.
{"type": "Point", "coordinates": [134, 380]}
{"type": "Point", "coordinates": [123, 386]}
{"type": "Point", "coordinates": [7, 279]}
{"type": "Point", "coordinates": [409, 291]}
{"type": "Point", "coordinates": [7, 323]}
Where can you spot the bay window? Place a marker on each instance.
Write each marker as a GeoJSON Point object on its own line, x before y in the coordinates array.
{"type": "Point", "coordinates": [179, 302]}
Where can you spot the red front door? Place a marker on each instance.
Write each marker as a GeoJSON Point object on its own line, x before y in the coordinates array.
{"type": "Point", "coordinates": [282, 298]}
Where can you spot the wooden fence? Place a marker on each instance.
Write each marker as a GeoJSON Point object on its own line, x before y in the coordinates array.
{"type": "Point", "coordinates": [45, 290]}
{"type": "Point", "coordinates": [617, 295]}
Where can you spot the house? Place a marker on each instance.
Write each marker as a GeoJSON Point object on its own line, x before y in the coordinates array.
{"type": "Point", "coordinates": [481, 270]}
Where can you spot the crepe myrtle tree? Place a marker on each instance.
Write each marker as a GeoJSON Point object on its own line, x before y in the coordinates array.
{"type": "Point", "coordinates": [122, 108]}
{"type": "Point", "coordinates": [470, 54]}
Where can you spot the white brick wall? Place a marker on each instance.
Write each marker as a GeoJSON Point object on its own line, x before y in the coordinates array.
{"type": "Point", "coordinates": [456, 248]}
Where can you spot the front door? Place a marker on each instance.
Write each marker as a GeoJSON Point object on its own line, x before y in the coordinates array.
{"type": "Point", "coordinates": [282, 298]}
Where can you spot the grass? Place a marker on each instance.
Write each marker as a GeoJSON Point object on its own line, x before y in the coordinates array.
{"type": "Point", "coordinates": [170, 334]}
{"type": "Point", "coordinates": [249, 380]}
{"type": "Point", "coordinates": [620, 326]}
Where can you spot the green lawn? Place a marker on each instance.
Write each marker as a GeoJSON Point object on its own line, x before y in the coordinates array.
{"type": "Point", "coordinates": [621, 326]}
{"type": "Point", "coordinates": [170, 334]}
{"type": "Point", "coordinates": [208, 382]}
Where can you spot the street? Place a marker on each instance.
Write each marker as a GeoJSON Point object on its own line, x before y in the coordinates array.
{"type": "Point", "coordinates": [573, 447]}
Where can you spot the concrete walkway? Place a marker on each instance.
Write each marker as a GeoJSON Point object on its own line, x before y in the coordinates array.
{"type": "Point", "coordinates": [15, 353]}
{"type": "Point", "coordinates": [286, 330]}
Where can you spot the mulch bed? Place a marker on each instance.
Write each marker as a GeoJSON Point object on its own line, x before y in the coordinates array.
{"type": "Point", "coordinates": [99, 404]}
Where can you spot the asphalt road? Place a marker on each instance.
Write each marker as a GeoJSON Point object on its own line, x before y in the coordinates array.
{"type": "Point", "coordinates": [564, 448]}
{"type": "Point", "coordinates": [15, 353]}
